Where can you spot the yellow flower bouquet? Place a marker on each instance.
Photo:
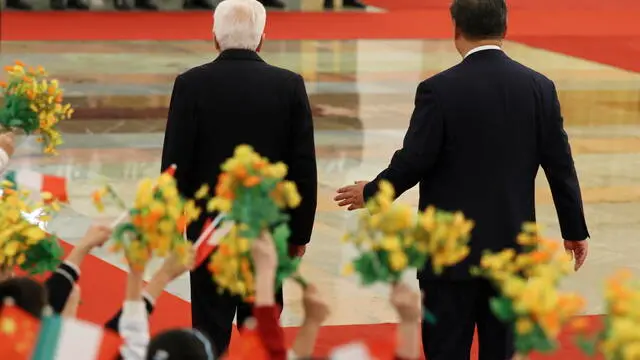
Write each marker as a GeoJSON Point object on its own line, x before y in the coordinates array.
{"type": "Point", "coordinates": [156, 222]}
{"type": "Point", "coordinates": [620, 338]}
{"type": "Point", "coordinates": [254, 195]}
{"type": "Point", "coordinates": [528, 291]}
{"type": "Point", "coordinates": [23, 243]}
{"type": "Point", "coordinates": [33, 103]}
{"type": "Point", "coordinates": [390, 239]}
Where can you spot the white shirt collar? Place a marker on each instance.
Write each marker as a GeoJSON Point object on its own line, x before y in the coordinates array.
{"type": "Point", "coordinates": [482, 48]}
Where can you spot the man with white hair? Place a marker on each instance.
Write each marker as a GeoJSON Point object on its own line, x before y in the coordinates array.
{"type": "Point", "coordinates": [238, 99]}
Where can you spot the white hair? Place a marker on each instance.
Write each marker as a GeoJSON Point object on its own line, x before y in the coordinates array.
{"type": "Point", "coordinates": [239, 24]}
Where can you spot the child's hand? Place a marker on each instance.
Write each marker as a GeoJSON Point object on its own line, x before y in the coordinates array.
{"type": "Point", "coordinates": [6, 273]}
{"type": "Point", "coordinates": [407, 303]}
{"type": "Point", "coordinates": [316, 310]}
{"type": "Point", "coordinates": [174, 266]}
{"type": "Point", "coordinates": [97, 235]}
{"type": "Point", "coordinates": [263, 252]}
{"type": "Point", "coordinates": [7, 142]}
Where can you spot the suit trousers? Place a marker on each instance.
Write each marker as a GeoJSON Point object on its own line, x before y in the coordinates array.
{"type": "Point", "coordinates": [212, 311]}
{"type": "Point", "coordinates": [459, 307]}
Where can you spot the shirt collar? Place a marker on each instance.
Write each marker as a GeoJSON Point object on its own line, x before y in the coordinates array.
{"type": "Point", "coordinates": [482, 48]}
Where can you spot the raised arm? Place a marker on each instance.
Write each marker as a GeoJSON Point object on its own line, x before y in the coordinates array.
{"type": "Point", "coordinates": [420, 148]}
{"type": "Point", "coordinates": [557, 163]}
{"type": "Point", "coordinates": [302, 166]}
{"type": "Point", "coordinates": [180, 134]}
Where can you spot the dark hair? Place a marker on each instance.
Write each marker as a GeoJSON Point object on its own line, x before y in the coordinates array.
{"type": "Point", "coordinates": [181, 344]}
{"type": "Point", "coordinates": [27, 294]}
{"type": "Point", "coordinates": [480, 19]}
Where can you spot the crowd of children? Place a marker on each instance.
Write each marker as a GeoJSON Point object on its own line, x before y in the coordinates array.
{"type": "Point", "coordinates": [61, 294]}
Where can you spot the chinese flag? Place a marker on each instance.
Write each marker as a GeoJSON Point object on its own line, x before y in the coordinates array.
{"type": "Point", "coordinates": [18, 333]}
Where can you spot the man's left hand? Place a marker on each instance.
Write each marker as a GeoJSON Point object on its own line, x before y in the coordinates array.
{"type": "Point", "coordinates": [578, 251]}
{"type": "Point", "coordinates": [351, 195]}
{"type": "Point", "coordinates": [297, 250]}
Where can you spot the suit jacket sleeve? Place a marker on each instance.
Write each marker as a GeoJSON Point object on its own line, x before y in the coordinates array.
{"type": "Point", "coordinates": [302, 166]}
{"type": "Point", "coordinates": [557, 163]}
{"type": "Point", "coordinates": [420, 148]}
{"type": "Point", "coordinates": [180, 135]}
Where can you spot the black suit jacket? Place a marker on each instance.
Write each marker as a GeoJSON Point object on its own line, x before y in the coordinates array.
{"type": "Point", "coordinates": [477, 136]}
{"type": "Point", "coordinates": [240, 99]}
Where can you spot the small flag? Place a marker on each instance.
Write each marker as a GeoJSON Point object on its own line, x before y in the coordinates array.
{"type": "Point", "coordinates": [67, 338]}
{"type": "Point", "coordinates": [37, 182]}
{"type": "Point", "coordinates": [251, 347]}
{"type": "Point", "coordinates": [18, 333]}
{"type": "Point", "coordinates": [171, 170]}
{"type": "Point", "coordinates": [210, 238]}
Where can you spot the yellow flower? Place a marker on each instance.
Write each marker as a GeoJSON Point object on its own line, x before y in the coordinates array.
{"type": "Point", "coordinates": [348, 269]}
{"type": "Point", "coordinates": [391, 243]}
{"type": "Point", "coordinates": [203, 192]}
{"type": "Point", "coordinates": [398, 260]}
{"type": "Point", "coordinates": [524, 326]}
{"type": "Point", "coordinates": [11, 248]}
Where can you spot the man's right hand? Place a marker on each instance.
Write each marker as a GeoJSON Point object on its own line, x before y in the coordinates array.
{"type": "Point", "coordinates": [7, 142]}
{"type": "Point", "coordinates": [578, 251]}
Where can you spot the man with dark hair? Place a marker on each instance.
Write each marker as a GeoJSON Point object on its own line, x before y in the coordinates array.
{"type": "Point", "coordinates": [479, 132]}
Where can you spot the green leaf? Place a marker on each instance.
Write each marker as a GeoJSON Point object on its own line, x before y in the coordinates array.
{"type": "Point", "coordinates": [364, 265]}
{"type": "Point", "coordinates": [588, 346]}
{"type": "Point", "coordinates": [43, 256]}
{"type": "Point", "coordinates": [502, 308]}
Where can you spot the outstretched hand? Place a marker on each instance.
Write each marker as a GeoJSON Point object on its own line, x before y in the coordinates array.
{"type": "Point", "coordinates": [351, 195]}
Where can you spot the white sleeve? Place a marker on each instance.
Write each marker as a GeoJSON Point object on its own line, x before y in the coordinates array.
{"type": "Point", "coordinates": [134, 330]}
{"type": "Point", "coordinates": [4, 160]}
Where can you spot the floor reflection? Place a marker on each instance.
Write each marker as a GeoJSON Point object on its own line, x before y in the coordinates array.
{"type": "Point", "coordinates": [362, 97]}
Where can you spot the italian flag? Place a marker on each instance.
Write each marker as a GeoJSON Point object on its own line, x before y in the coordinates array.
{"type": "Point", "coordinates": [68, 338]}
{"type": "Point", "coordinates": [38, 183]}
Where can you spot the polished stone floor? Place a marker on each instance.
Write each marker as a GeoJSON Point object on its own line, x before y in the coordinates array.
{"type": "Point", "coordinates": [362, 96]}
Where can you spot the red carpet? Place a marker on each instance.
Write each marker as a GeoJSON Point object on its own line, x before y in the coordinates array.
{"type": "Point", "coordinates": [608, 34]}
{"type": "Point", "coordinates": [405, 24]}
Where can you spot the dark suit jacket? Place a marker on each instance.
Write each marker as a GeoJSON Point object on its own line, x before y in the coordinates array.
{"type": "Point", "coordinates": [240, 99]}
{"type": "Point", "coordinates": [477, 136]}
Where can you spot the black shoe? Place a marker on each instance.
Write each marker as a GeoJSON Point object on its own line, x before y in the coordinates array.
{"type": "Point", "coordinates": [353, 4]}
{"type": "Point", "coordinates": [146, 5]}
{"type": "Point", "coordinates": [77, 4]}
{"type": "Point", "coordinates": [19, 5]}
{"type": "Point", "coordinates": [122, 5]}
{"type": "Point", "coordinates": [274, 4]}
{"type": "Point", "coordinates": [197, 5]}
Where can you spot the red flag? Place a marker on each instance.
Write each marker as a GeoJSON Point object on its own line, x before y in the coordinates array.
{"type": "Point", "coordinates": [18, 333]}
{"type": "Point", "coordinates": [171, 170]}
{"type": "Point", "coordinates": [110, 345]}
{"type": "Point", "coordinates": [208, 240]}
{"type": "Point", "coordinates": [251, 347]}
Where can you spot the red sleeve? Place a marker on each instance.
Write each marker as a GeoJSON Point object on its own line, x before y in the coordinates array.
{"type": "Point", "coordinates": [270, 332]}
